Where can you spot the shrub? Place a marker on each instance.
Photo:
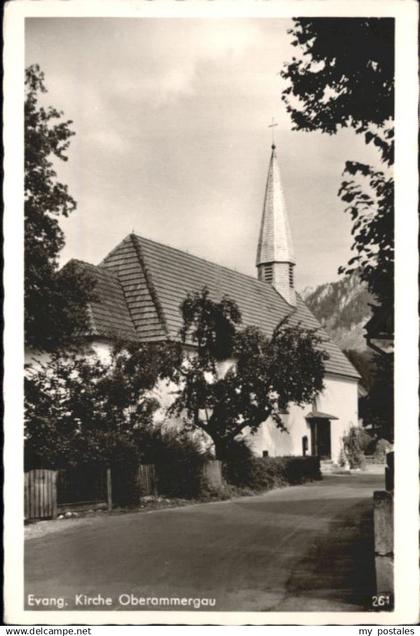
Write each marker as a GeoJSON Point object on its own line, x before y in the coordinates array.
{"type": "Point", "coordinates": [297, 470]}
{"type": "Point", "coordinates": [354, 443]}
{"type": "Point", "coordinates": [365, 439]}
{"type": "Point", "coordinates": [210, 494]}
{"type": "Point", "coordinates": [124, 466]}
{"type": "Point", "coordinates": [178, 460]}
{"type": "Point", "coordinates": [342, 459]}
{"type": "Point", "coordinates": [238, 464]}
{"type": "Point", "coordinates": [382, 447]}
{"type": "Point", "coordinates": [243, 470]}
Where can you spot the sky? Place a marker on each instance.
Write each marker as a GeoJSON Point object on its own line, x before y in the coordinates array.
{"type": "Point", "coordinates": [172, 141]}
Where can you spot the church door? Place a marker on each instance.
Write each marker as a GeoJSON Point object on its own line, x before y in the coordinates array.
{"type": "Point", "coordinates": [321, 438]}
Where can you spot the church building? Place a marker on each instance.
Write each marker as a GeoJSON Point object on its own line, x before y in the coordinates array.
{"type": "Point", "coordinates": [141, 285]}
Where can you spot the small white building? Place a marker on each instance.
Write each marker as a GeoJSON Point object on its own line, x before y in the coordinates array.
{"type": "Point", "coordinates": [141, 285]}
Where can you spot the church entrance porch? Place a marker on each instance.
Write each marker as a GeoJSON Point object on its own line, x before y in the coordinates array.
{"type": "Point", "coordinates": [320, 425]}
{"type": "Point", "coordinates": [321, 438]}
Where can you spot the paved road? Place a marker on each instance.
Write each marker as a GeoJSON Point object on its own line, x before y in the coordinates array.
{"type": "Point", "coordinates": [294, 549]}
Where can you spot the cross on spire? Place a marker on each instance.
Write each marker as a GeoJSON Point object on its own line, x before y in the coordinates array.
{"type": "Point", "coordinates": [272, 126]}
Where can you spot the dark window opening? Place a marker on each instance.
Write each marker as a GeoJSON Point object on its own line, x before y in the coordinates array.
{"type": "Point", "coordinates": [265, 453]}
{"type": "Point", "coordinates": [291, 277]}
{"type": "Point", "coordinates": [268, 274]}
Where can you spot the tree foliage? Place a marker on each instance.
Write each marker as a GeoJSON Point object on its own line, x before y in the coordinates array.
{"type": "Point", "coordinates": [210, 325]}
{"type": "Point", "coordinates": [364, 362]}
{"type": "Point", "coordinates": [379, 403]}
{"type": "Point", "coordinates": [370, 204]}
{"type": "Point", "coordinates": [55, 302]}
{"type": "Point", "coordinates": [236, 382]}
{"type": "Point", "coordinates": [79, 409]}
{"type": "Point", "coordinates": [355, 443]}
{"type": "Point", "coordinates": [344, 77]}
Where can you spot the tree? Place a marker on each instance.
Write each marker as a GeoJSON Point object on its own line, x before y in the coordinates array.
{"type": "Point", "coordinates": [237, 378]}
{"type": "Point", "coordinates": [371, 206]}
{"type": "Point", "coordinates": [379, 403]}
{"type": "Point", "coordinates": [55, 301]}
{"type": "Point", "coordinates": [345, 78]}
{"type": "Point", "coordinates": [364, 362]}
{"type": "Point", "coordinates": [81, 410]}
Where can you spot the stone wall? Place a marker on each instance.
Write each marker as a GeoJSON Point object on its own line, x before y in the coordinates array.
{"type": "Point", "coordinates": [383, 517]}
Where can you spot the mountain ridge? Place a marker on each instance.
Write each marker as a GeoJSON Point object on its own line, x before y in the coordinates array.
{"type": "Point", "coordinates": [342, 308]}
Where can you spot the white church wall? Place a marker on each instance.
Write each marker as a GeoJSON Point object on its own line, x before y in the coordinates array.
{"type": "Point", "coordinates": [276, 442]}
{"type": "Point", "coordinates": [339, 398]}
{"type": "Point", "coordinates": [103, 349]}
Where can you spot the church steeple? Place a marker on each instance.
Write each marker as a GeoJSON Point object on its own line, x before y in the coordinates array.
{"type": "Point", "coordinates": [275, 256]}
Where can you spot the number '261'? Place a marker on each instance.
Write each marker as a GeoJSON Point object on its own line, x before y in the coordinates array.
{"type": "Point", "coordinates": [381, 600]}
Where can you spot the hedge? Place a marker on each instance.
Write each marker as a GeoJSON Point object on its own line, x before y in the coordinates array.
{"type": "Point", "coordinates": [180, 477]}
{"type": "Point", "coordinates": [263, 473]}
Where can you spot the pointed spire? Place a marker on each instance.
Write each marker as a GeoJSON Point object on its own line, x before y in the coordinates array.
{"type": "Point", "coordinates": [275, 254]}
{"type": "Point", "coordinates": [275, 242]}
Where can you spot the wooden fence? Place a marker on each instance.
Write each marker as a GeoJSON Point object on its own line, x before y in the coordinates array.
{"type": "Point", "coordinates": [148, 484]}
{"type": "Point", "coordinates": [48, 490]}
{"type": "Point", "coordinates": [40, 494]}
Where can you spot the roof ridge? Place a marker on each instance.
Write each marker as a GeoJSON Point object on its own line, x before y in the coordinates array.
{"type": "Point", "coordinates": [103, 275]}
{"type": "Point", "coordinates": [149, 282]}
{"type": "Point", "coordinates": [206, 260]}
{"type": "Point", "coordinates": [101, 268]}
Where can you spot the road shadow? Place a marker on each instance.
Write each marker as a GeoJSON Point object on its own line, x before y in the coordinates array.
{"type": "Point", "coordinates": [338, 567]}
{"type": "Point", "coordinates": [312, 508]}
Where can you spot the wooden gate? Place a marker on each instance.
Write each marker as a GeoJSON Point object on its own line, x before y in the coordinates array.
{"type": "Point", "coordinates": [84, 485]}
{"type": "Point", "coordinates": [40, 494]}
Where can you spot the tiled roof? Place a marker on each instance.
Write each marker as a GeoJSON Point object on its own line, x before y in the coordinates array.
{"type": "Point", "coordinates": [108, 314]}
{"type": "Point", "coordinates": [156, 278]}
{"type": "Point", "coordinates": [127, 263]}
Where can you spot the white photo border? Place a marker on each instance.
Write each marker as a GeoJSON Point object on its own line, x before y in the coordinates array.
{"type": "Point", "coordinates": [406, 296]}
